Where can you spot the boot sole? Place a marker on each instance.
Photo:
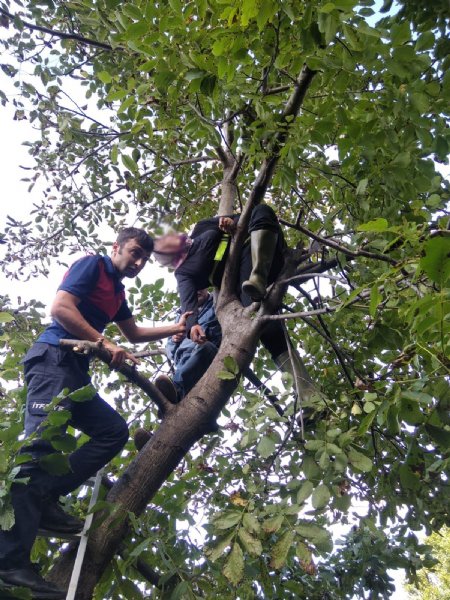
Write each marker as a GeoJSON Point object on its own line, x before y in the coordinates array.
{"type": "Point", "coordinates": [252, 291]}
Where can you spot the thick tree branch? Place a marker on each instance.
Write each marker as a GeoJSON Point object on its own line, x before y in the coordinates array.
{"type": "Point", "coordinates": [129, 372]}
{"type": "Point", "coordinates": [60, 34]}
{"type": "Point", "coordinates": [265, 174]}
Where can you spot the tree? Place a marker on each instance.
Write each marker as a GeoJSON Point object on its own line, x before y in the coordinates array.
{"type": "Point", "coordinates": [434, 584]}
{"type": "Point", "coordinates": [336, 116]}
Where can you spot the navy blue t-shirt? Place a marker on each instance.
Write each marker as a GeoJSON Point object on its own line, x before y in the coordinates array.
{"type": "Point", "coordinates": [95, 281]}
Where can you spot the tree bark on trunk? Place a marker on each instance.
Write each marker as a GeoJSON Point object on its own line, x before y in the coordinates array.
{"type": "Point", "coordinates": [183, 425]}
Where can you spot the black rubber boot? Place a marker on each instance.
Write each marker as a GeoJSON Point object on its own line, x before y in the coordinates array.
{"type": "Point", "coordinates": [262, 244]}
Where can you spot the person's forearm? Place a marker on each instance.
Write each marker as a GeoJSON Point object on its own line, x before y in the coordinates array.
{"type": "Point", "coordinates": [151, 334]}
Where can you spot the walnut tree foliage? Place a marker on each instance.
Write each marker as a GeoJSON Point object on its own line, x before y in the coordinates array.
{"type": "Point", "coordinates": [159, 112]}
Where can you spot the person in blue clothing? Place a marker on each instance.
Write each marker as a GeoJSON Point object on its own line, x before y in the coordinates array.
{"type": "Point", "coordinates": [190, 359]}
{"type": "Point", "coordinates": [90, 296]}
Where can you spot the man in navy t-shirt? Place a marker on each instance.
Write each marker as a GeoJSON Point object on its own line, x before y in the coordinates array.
{"type": "Point", "coordinates": [90, 296]}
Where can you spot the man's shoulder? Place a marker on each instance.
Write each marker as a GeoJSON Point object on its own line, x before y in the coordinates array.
{"type": "Point", "coordinates": [87, 260]}
{"type": "Point", "coordinates": [86, 268]}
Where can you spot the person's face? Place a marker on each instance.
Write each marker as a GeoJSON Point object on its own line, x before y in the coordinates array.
{"type": "Point", "coordinates": [202, 296]}
{"type": "Point", "coordinates": [170, 243]}
{"type": "Point", "coordinates": [130, 258]}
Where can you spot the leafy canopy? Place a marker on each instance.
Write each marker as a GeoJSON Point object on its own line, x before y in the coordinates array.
{"type": "Point", "coordinates": [132, 100]}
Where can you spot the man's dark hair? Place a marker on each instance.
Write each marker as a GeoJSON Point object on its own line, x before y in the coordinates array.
{"type": "Point", "coordinates": [133, 233]}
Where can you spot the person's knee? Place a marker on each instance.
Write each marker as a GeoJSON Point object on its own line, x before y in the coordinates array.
{"type": "Point", "coordinates": [207, 351]}
{"type": "Point", "coordinates": [263, 217]}
{"type": "Point", "coordinates": [123, 434]}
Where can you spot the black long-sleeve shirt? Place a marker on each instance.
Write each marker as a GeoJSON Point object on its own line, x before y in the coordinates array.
{"type": "Point", "coordinates": [194, 273]}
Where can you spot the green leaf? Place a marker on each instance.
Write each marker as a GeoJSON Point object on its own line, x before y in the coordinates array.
{"type": "Point", "coordinates": [360, 461]}
{"type": "Point", "coordinates": [194, 74]}
{"type": "Point", "coordinates": [59, 417]}
{"type": "Point", "coordinates": [55, 464]}
{"type": "Point", "coordinates": [400, 33]}
{"type": "Point", "coordinates": [7, 518]}
{"type": "Point", "coordinates": [273, 524]}
{"type": "Point", "coordinates": [250, 543]}
{"type": "Point", "coordinates": [403, 159]}
{"type": "Point", "coordinates": [216, 552]}
{"type": "Point", "coordinates": [375, 300]}
{"type": "Point", "coordinates": [305, 491]}
{"type": "Point", "coordinates": [362, 187]}
{"type": "Point", "coordinates": [234, 567]}
{"type": "Point", "coordinates": [303, 552]}
{"type": "Point", "coordinates": [281, 549]}
{"type": "Point", "coordinates": [321, 496]}
{"type": "Point", "coordinates": [368, 419]}
{"type": "Point", "coordinates": [440, 435]}
{"type": "Point", "coordinates": [379, 224]}
{"type": "Point", "coordinates": [64, 443]}
{"type": "Point", "coordinates": [266, 447]}
{"type": "Point", "coordinates": [251, 523]}
{"type": "Point", "coordinates": [3, 461]}
{"type": "Point", "coordinates": [408, 478]}
{"type": "Point", "coordinates": [6, 317]}
{"type": "Point", "coordinates": [130, 163]}
{"type": "Point", "coordinates": [436, 262]}
{"type": "Point", "coordinates": [104, 77]}
{"type": "Point", "coordinates": [83, 394]}
{"type": "Point", "coordinates": [225, 375]}
{"type": "Point", "coordinates": [208, 85]}
{"type": "Point", "coordinates": [11, 433]}
{"type": "Point", "coordinates": [226, 519]}
{"type": "Point", "coordinates": [314, 445]}
{"type": "Point", "coordinates": [231, 365]}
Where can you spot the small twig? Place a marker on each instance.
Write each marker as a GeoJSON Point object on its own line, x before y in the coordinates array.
{"type": "Point", "coordinates": [308, 313]}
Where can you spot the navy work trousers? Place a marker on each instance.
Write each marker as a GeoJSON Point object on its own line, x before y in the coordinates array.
{"type": "Point", "coordinates": [48, 370]}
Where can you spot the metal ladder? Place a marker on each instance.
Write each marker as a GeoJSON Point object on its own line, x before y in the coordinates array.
{"type": "Point", "coordinates": [82, 536]}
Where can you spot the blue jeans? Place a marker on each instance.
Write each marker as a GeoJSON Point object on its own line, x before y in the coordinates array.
{"type": "Point", "coordinates": [48, 370]}
{"type": "Point", "coordinates": [192, 366]}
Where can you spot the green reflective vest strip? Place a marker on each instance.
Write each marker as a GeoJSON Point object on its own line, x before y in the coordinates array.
{"type": "Point", "coordinates": [221, 248]}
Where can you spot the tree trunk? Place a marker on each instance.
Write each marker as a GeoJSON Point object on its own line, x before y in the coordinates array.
{"type": "Point", "coordinates": [180, 429]}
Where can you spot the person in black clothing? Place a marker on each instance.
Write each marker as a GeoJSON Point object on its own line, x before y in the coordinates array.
{"type": "Point", "coordinates": [198, 261]}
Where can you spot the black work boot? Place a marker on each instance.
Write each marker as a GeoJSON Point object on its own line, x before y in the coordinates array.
{"type": "Point", "coordinates": [54, 518]}
{"type": "Point", "coordinates": [166, 387]}
{"type": "Point", "coordinates": [28, 577]}
{"type": "Point", "coordinates": [141, 437]}
{"type": "Point", "coordinates": [262, 244]}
